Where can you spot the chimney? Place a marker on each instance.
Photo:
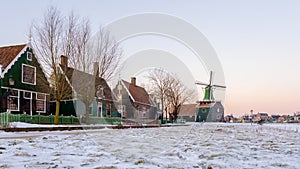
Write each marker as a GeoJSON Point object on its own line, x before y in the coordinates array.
{"type": "Point", "coordinates": [96, 69]}
{"type": "Point", "coordinates": [64, 61]}
{"type": "Point", "coordinates": [133, 81]}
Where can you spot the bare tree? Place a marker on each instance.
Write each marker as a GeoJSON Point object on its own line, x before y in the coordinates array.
{"type": "Point", "coordinates": [107, 52]}
{"type": "Point", "coordinates": [53, 38]}
{"type": "Point", "coordinates": [57, 35]}
{"type": "Point", "coordinates": [177, 94]}
{"type": "Point", "coordinates": [171, 92]}
{"type": "Point", "coordinates": [76, 43]}
{"type": "Point", "coordinates": [160, 82]}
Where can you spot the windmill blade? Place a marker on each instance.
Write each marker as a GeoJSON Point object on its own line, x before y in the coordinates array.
{"type": "Point", "coordinates": [210, 78]}
{"type": "Point", "coordinates": [219, 86]}
{"type": "Point", "coordinates": [201, 83]}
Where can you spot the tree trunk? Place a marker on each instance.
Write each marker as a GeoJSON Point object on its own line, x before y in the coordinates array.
{"type": "Point", "coordinates": [162, 110]}
{"type": "Point", "coordinates": [57, 112]}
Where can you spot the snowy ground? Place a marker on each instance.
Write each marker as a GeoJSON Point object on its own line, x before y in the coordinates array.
{"type": "Point", "coordinates": [217, 145]}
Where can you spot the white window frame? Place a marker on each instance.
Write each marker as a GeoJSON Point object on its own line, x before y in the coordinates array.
{"type": "Point", "coordinates": [44, 100]}
{"type": "Point", "coordinates": [18, 97]}
{"type": "Point", "coordinates": [24, 95]}
{"type": "Point", "coordinates": [34, 74]}
{"type": "Point", "coordinates": [29, 56]}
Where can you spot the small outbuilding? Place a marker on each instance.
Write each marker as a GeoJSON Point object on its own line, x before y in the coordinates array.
{"type": "Point", "coordinates": [187, 113]}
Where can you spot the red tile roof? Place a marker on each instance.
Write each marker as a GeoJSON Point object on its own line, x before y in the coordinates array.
{"type": "Point", "coordinates": [8, 53]}
{"type": "Point", "coordinates": [138, 93]}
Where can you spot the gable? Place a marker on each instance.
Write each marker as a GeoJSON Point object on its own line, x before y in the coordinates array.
{"type": "Point", "coordinates": [26, 72]}
{"type": "Point", "coordinates": [188, 110]}
{"type": "Point", "coordinates": [138, 93]}
{"type": "Point", "coordinates": [70, 72]}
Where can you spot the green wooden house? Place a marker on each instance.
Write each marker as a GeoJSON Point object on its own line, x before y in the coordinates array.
{"type": "Point", "coordinates": [103, 101]}
{"type": "Point", "coordinates": [24, 86]}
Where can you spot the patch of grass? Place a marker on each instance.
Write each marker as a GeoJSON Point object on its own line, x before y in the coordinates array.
{"type": "Point", "coordinates": [140, 161]}
{"type": "Point", "coordinates": [106, 167]}
{"type": "Point", "coordinates": [206, 145]}
{"type": "Point", "coordinates": [4, 166]}
{"type": "Point", "coordinates": [209, 167]}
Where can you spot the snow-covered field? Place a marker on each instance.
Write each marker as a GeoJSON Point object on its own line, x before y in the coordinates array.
{"type": "Point", "coordinates": [200, 145]}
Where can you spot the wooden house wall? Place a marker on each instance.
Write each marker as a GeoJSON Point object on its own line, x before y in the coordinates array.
{"type": "Point", "coordinates": [41, 86]}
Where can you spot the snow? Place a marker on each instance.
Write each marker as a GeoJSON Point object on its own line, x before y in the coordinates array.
{"type": "Point", "coordinates": [27, 125]}
{"type": "Point", "coordinates": [199, 145]}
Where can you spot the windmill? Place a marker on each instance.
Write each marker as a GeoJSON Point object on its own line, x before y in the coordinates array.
{"type": "Point", "coordinates": [208, 109]}
{"type": "Point", "coordinates": [208, 90]}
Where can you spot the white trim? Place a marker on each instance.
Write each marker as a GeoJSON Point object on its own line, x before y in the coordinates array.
{"type": "Point", "coordinates": [43, 100]}
{"type": "Point", "coordinates": [32, 92]}
{"type": "Point", "coordinates": [25, 96]}
{"type": "Point", "coordinates": [29, 59]}
{"type": "Point", "coordinates": [34, 74]}
{"type": "Point", "coordinates": [145, 104]}
{"type": "Point", "coordinates": [36, 96]}
{"type": "Point", "coordinates": [14, 60]}
{"type": "Point", "coordinates": [127, 90]}
{"type": "Point", "coordinates": [18, 97]}
{"type": "Point", "coordinates": [22, 90]}
{"type": "Point", "coordinates": [40, 65]}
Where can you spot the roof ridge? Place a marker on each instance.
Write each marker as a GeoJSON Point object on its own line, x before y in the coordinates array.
{"type": "Point", "coordinates": [6, 46]}
{"type": "Point", "coordinates": [134, 85]}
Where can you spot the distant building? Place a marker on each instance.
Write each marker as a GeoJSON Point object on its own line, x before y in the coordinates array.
{"type": "Point", "coordinates": [187, 113]}
{"type": "Point", "coordinates": [261, 117]}
{"type": "Point", "coordinates": [229, 118]}
{"type": "Point", "coordinates": [24, 86]}
{"type": "Point", "coordinates": [297, 118]}
{"type": "Point", "coordinates": [275, 118]}
{"type": "Point", "coordinates": [134, 101]}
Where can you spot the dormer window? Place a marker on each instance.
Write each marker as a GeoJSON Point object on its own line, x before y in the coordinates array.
{"type": "Point", "coordinates": [29, 56]}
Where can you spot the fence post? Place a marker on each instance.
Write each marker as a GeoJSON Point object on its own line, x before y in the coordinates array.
{"type": "Point", "coordinates": [2, 120]}
{"type": "Point", "coordinates": [19, 118]}
{"type": "Point", "coordinates": [7, 121]}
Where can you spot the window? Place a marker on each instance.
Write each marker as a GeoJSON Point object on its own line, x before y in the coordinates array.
{"type": "Point", "coordinates": [27, 95]}
{"type": "Point", "coordinates": [13, 100]}
{"type": "Point", "coordinates": [28, 74]}
{"type": "Point", "coordinates": [40, 102]}
{"type": "Point", "coordinates": [29, 56]}
{"type": "Point", "coordinates": [108, 109]}
{"type": "Point", "coordinates": [121, 108]}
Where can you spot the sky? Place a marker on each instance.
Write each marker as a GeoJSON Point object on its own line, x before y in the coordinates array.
{"type": "Point", "coordinates": [257, 42]}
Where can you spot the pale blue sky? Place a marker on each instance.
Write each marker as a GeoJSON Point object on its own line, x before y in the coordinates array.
{"type": "Point", "coordinates": [257, 41]}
